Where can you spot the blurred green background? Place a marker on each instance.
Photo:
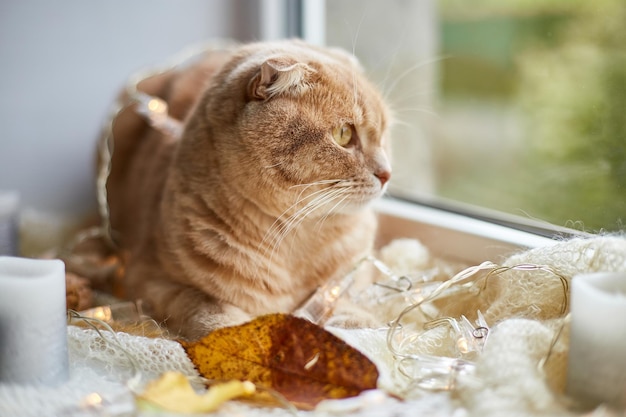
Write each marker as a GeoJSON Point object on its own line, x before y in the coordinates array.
{"type": "Point", "coordinates": [541, 86]}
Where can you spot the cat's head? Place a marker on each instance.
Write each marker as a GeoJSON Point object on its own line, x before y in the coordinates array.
{"type": "Point", "coordinates": [296, 126]}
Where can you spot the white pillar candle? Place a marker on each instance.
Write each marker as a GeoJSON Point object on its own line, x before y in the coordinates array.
{"type": "Point", "coordinates": [597, 357]}
{"type": "Point", "coordinates": [33, 328]}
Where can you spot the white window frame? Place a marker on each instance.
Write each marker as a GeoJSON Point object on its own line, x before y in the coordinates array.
{"type": "Point", "coordinates": [305, 19]}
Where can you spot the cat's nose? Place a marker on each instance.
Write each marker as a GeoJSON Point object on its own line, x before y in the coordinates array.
{"type": "Point", "coordinates": [383, 175]}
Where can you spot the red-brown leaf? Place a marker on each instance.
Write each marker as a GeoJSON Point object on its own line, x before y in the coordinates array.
{"type": "Point", "coordinates": [291, 355]}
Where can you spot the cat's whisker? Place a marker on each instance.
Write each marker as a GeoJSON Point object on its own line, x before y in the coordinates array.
{"type": "Point", "coordinates": [411, 96]}
{"type": "Point", "coordinates": [355, 92]}
{"type": "Point", "coordinates": [329, 199]}
{"type": "Point", "coordinates": [320, 182]}
{"type": "Point", "coordinates": [387, 93]}
{"type": "Point", "coordinates": [394, 56]}
{"type": "Point", "coordinates": [326, 196]}
{"type": "Point", "coordinates": [333, 209]}
{"type": "Point", "coordinates": [323, 201]}
{"type": "Point", "coordinates": [336, 182]}
{"type": "Point", "coordinates": [400, 122]}
{"type": "Point", "coordinates": [301, 199]}
{"type": "Point", "coordinates": [408, 121]}
{"type": "Point", "coordinates": [322, 197]}
{"type": "Point", "coordinates": [354, 40]}
{"type": "Point", "coordinates": [280, 224]}
{"type": "Point", "coordinates": [417, 110]}
{"type": "Point", "coordinates": [342, 193]}
{"type": "Point", "coordinates": [277, 235]}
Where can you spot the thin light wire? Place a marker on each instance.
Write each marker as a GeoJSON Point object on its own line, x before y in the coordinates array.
{"type": "Point", "coordinates": [105, 149]}
{"type": "Point", "coordinates": [461, 278]}
{"type": "Point", "coordinates": [107, 140]}
{"type": "Point", "coordinates": [557, 335]}
{"type": "Point", "coordinates": [133, 382]}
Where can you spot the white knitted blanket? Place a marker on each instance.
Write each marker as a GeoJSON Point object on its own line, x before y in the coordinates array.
{"type": "Point", "coordinates": [524, 312]}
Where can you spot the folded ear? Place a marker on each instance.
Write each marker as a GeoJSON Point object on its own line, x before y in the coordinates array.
{"type": "Point", "coordinates": [279, 76]}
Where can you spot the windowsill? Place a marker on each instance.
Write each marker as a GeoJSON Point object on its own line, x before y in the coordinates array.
{"type": "Point", "coordinates": [451, 235]}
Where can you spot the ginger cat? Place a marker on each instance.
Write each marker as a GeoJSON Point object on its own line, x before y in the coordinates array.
{"type": "Point", "coordinates": [264, 198]}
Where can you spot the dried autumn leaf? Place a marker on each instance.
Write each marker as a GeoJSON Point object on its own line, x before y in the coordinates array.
{"type": "Point", "coordinates": [293, 356]}
{"type": "Point", "coordinates": [173, 392]}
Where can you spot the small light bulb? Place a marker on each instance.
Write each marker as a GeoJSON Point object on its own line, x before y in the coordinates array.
{"type": "Point", "coordinates": [335, 291]}
{"type": "Point", "coordinates": [92, 400]}
{"type": "Point", "coordinates": [462, 345]}
{"type": "Point", "coordinates": [157, 106]}
{"type": "Point", "coordinates": [102, 313]}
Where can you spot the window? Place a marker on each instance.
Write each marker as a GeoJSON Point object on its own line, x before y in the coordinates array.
{"type": "Point", "coordinates": [503, 108]}
{"type": "Point", "coordinates": [517, 107]}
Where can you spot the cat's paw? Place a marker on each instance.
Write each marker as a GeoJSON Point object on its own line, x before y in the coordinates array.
{"type": "Point", "coordinates": [214, 317]}
{"type": "Point", "coordinates": [351, 316]}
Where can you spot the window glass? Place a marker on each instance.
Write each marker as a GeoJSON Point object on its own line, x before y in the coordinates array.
{"type": "Point", "coordinates": [518, 106]}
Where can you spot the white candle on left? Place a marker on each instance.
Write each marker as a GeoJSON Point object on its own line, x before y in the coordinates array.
{"type": "Point", "coordinates": [33, 327]}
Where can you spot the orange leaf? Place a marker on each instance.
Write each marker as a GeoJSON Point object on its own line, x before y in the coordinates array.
{"type": "Point", "coordinates": [293, 356]}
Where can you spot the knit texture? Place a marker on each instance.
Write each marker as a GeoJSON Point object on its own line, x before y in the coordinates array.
{"type": "Point", "coordinates": [523, 309]}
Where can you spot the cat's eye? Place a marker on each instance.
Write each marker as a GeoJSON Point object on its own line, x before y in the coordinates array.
{"type": "Point", "coordinates": [342, 134]}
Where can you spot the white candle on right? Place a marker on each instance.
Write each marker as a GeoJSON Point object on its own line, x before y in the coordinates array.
{"type": "Point", "coordinates": [597, 356]}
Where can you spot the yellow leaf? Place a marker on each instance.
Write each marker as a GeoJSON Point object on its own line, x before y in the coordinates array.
{"type": "Point", "coordinates": [173, 392]}
{"type": "Point", "coordinates": [293, 356]}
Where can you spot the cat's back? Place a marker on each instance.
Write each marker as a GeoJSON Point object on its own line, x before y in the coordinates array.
{"type": "Point", "coordinates": [142, 155]}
